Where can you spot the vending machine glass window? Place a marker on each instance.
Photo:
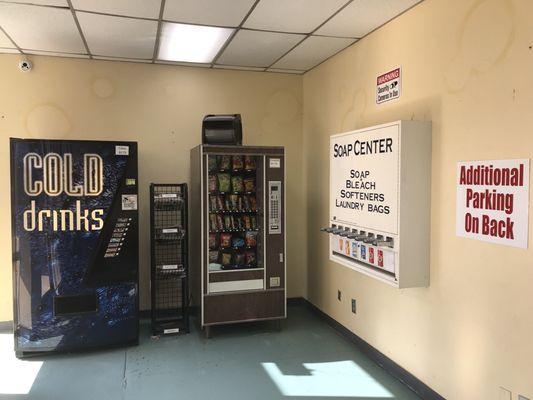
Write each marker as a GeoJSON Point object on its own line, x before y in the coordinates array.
{"type": "Point", "coordinates": [235, 212]}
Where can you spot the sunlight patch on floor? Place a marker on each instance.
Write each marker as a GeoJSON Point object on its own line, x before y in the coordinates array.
{"type": "Point", "coordinates": [17, 375]}
{"type": "Point", "coordinates": [328, 379]}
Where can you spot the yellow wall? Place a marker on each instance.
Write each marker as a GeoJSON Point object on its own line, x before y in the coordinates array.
{"type": "Point", "coordinates": [162, 108]}
{"type": "Point", "coordinates": [468, 67]}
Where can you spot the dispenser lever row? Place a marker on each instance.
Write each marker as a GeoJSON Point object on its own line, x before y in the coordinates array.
{"type": "Point", "coordinates": [365, 237]}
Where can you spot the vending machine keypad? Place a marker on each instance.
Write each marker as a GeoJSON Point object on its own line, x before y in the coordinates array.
{"type": "Point", "coordinates": [274, 211]}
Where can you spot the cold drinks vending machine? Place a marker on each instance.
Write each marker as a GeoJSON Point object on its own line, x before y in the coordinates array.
{"type": "Point", "coordinates": [75, 244]}
{"type": "Point", "coordinates": [238, 233]}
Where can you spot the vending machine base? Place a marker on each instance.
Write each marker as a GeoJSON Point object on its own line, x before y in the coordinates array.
{"type": "Point", "coordinates": [82, 349]}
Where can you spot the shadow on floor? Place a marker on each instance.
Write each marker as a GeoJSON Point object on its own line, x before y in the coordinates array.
{"type": "Point", "coordinates": [306, 359]}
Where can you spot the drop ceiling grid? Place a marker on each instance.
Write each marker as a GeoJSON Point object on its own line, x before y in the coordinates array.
{"type": "Point", "coordinates": [5, 41]}
{"type": "Point", "coordinates": [110, 36]}
{"type": "Point", "coordinates": [257, 49]}
{"type": "Point", "coordinates": [287, 36]}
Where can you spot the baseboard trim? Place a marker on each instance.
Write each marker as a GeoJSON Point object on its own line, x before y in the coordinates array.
{"type": "Point", "coordinates": [6, 326]}
{"type": "Point", "coordinates": [296, 301]}
{"type": "Point", "coordinates": [404, 376]}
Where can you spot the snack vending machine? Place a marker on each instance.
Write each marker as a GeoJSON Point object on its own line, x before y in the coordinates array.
{"type": "Point", "coordinates": [237, 229]}
{"type": "Point", "coordinates": [75, 244]}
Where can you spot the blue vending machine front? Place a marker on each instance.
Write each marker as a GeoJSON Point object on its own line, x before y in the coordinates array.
{"type": "Point", "coordinates": [75, 244]}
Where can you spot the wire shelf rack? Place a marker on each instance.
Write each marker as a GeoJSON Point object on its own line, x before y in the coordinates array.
{"type": "Point", "coordinates": [169, 259]}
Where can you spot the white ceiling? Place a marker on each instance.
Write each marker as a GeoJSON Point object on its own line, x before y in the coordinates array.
{"type": "Point", "coordinates": [312, 51]}
{"type": "Point", "coordinates": [41, 28]}
{"type": "Point", "coordinates": [363, 16]}
{"type": "Point", "coordinates": [298, 16]}
{"type": "Point", "coordinates": [118, 37]}
{"type": "Point", "coordinates": [258, 48]}
{"type": "Point", "coordinates": [58, 3]}
{"type": "Point", "coordinates": [228, 13]}
{"type": "Point", "coordinates": [287, 36]}
{"type": "Point", "coordinates": [131, 8]}
{"type": "Point", "coordinates": [4, 40]}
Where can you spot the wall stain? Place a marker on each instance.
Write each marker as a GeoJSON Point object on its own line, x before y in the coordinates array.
{"type": "Point", "coordinates": [478, 52]}
{"type": "Point", "coordinates": [103, 88]}
{"type": "Point", "coordinates": [282, 109]}
{"type": "Point", "coordinates": [48, 121]}
{"type": "Point", "coordinates": [355, 112]}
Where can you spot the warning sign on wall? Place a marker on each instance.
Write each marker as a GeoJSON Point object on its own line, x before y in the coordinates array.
{"type": "Point", "coordinates": [493, 201]}
{"type": "Point", "coordinates": [389, 86]}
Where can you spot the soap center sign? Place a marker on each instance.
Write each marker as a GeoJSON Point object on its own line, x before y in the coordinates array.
{"type": "Point", "coordinates": [364, 179]}
{"type": "Point", "coordinates": [493, 201]}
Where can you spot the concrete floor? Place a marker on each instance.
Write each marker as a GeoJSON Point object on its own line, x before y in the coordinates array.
{"type": "Point", "coordinates": [305, 360]}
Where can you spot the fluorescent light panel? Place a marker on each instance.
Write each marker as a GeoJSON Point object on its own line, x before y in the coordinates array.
{"type": "Point", "coordinates": [191, 43]}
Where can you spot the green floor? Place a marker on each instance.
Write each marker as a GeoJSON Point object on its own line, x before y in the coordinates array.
{"type": "Point", "coordinates": [305, 360]}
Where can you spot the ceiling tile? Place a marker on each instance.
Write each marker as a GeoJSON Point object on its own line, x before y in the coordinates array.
{"type": "Point", "coordinates": [41, 28]}
{"type": "Point", "coordinates": [363, 16]}
{"type": "Point", "coordinates": [301, 16]}
{"type": "Point", "coordinates": [311, 52]}
{"type": "Point", "coordinates": [258, 49]}
{"type": "Point", "coordinates": [207, 12]}
{"type": "Point", "coordinates": [58, 3]}
{"type": "Point", "coordinates": [132, 8]}
{"type": "Point", "coordinates": [118, 36]}
{"type": "Point", "coordinates": [54, 54]}
{"type": "Point", "coordinates": [4, 41]}
{"type": "Point", "coordinates": [285, 71]}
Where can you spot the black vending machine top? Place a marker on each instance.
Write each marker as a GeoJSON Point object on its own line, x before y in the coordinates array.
{"type": "Point", "coordinates": [222, 129]}
{"type": "Point", "coordinates": [75, 244]}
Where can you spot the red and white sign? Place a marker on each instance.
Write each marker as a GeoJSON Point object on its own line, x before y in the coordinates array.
{"type": "Point", "coordinates": [493, 201]}
{"type": "Point", "coordinates": [389, 86]}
